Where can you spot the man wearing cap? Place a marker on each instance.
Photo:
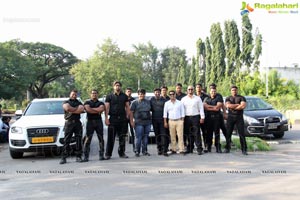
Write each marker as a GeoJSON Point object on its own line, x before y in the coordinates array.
{"type": "Point", "coordinates": [117, 108]}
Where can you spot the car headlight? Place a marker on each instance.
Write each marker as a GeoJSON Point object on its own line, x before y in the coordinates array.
{"type": "Point", "coordinates": [16, 130]}
{"type": "Point", "coordinates": [283, 118]}
{"type": "Point", "coordinates": [250, 120]}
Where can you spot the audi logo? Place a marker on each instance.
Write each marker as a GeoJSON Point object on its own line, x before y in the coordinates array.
{"type": "Point", "coordinates": [42, 131]}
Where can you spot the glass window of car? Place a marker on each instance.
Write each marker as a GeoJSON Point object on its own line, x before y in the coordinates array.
{"type": "Point", "coordinates": [45, 108]}
{"type": "Point", "coordinates": [257, 104]}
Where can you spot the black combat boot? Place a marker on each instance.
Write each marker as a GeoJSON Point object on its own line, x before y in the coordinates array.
{"type": "Point", "coordinates": [101, 156]}
{"type": "Point", "coordinates": [218, 148]}
{"type": "Point", "coordinates": [85, 158]}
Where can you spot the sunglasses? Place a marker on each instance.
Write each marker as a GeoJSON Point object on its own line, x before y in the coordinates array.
{"type": "Point", "coordinates": [171, 94]}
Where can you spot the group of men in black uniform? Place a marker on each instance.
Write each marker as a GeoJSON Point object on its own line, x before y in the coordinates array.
{"type": "Point", "coordinates": [213, 105]}
{"type": "Point", "coordinates": [117, 113]}
{"type": "Point", "coordinates": [116, 107]}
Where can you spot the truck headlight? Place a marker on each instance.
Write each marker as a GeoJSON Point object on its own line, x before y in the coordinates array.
{"type": "Point", "coordinates": [16, 130]}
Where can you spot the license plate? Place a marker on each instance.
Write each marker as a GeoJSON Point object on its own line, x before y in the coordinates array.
{"type": "Point", "coordinates": [272, 126]}
{"type": "Point", "coordinates": [42, 139]}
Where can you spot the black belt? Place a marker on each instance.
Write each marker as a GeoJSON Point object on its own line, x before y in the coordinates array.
{"type": "Point", "coordinates": [94, 119]}
{"type": "Point", "coordinates": [73, 120]}
{"type": "Point", "coordinates": [117, 116]}
{"type": "Point", "coordinates": [233, 115]}
{"type": "Point", "coordinates": [214, 115]}
{"type": "Point", "coordinates": [174, 119]}
{"type": "Point", "coordinates": [191, 116]}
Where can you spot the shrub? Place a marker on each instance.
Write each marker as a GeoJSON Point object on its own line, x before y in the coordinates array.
{"type": "Point", "coordinates": [253, 144]}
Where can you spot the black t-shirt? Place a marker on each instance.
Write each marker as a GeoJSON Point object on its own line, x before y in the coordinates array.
{"type": "Point", "coordinates": [130, 99]}
{"type": "Point", "coordinates": [94, 104]}
{"type": "Point", "coordinates": [117, 105]}
{"type": "Point", "coordinates": [235, 100]}
{"type": "Point", "coordinates": [213, 102]}
{"type": "Point", "coordinates": [203, 96]}
{"type": "Point", "coordinates": [179, 97]}
{"type": "Point", "coordinates": [157, 107]}
{"type": "Point", "coordinates": [73, 103]}
{"type": "Point", "coordinates": [218, 95]}
{"type": "Point", "coordinates": [166, 98]}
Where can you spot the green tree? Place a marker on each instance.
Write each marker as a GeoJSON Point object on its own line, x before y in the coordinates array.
{"type": "Point", "coordinates": [192, 77]}
{"type": "Point", "coordinates": [252, 84]}
{"type": "Point", "coordinates": [172, 58]}
{"type": "Point", "coordinates": [292, 89]}
{"type": "Point", "coordinates": [218, 65]}
{"type": "Point", "coordinates": [108, 64]}
{"type": "Point", "coordinates": [257, 51]}
{"type": "Point", "coordinates": [16, 72]}
{"type": "Point", "coordinates": [149, 55]}
{"type": "Point", "coordinates": [232, 43]}
{"type": "Point", "coordinates": [208, 64]}
{"type": "Point", "coordinates": [247, 42]}
{"type": "Point", "coordinates": [275, 83]}
{"type": "Point", "coordinates": [49, 63]}
{"type": "Point", "coordinates": [200, 61]}
{"type": "Point", "coordinates": [61, 87]}
{"type": "Point", "coordinates": [183, 72]}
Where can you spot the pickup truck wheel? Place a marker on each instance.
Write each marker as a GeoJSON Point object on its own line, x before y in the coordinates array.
{"type": "Point", "coordinates": [278, 135]}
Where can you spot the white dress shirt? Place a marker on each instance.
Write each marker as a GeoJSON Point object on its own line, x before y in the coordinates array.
{"type": "Point", "coordinates": [174, 110]}
{"type": "Point", "coordinates": [193, 106]}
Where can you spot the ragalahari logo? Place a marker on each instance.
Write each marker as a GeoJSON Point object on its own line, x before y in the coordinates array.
{"type": "Point", "coordinates": [246, 8]}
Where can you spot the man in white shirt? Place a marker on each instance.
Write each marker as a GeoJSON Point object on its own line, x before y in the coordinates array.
{"type": "Point", "coordinates": [194, 116]}
{"type": "Point", "coordinates": [174, 111]}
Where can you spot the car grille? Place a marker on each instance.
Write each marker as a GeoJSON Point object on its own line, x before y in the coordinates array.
{"type": "Point", "coordinates": [42, 133]}
{"type": "Point", "coordinates": [268, 120]}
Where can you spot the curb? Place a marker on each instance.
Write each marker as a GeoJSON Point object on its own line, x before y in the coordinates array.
{"type": "Point", "coordinates": [285, 142]}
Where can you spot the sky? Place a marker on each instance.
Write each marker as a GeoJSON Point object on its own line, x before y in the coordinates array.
{"type": "Point", "coordinates": [80, 25]}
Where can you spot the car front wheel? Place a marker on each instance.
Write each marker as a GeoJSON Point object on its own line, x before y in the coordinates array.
{"type": "Point", "coordinates": [16, 154]}
{"type": "Point", "coordinates": [278, 135]}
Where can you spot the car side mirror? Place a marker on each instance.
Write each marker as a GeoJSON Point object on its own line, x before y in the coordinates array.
{"type": "Point", "coordinates": [18, 113]}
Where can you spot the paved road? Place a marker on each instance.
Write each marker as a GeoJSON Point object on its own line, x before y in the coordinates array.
{"type": "Point", "coordinates": [291, 137]}
{"type": "Point", "coordinates": [261, 175]}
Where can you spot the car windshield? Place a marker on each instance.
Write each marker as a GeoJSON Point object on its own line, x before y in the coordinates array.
{"type": "Point", "coordinates": [257, 104]}
{"type": "Point", "coordinates": [148, 96]}
{"type": "Point", "coordinates": [45, 108]}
